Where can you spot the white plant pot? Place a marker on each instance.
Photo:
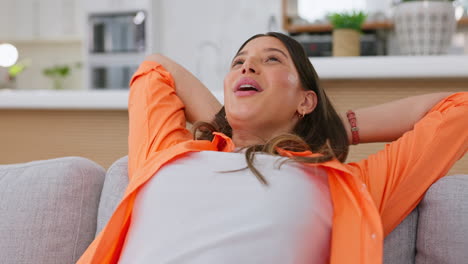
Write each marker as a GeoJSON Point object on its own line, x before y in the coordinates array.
{"type": "Point", "coordinates": [425, 27]}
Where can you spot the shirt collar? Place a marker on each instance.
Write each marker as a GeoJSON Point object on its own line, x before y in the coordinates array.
{"type": "Point", "coordinates": [225, 144]}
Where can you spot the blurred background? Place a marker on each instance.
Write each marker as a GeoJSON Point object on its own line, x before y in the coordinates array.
{"type": "Point", "coordinates": [109, 38]}
{"type": "Point", "coordinates": [65, 64]}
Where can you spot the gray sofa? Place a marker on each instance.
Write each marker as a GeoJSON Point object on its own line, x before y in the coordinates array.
{"type": "Point", "coordinates": [51, 210]}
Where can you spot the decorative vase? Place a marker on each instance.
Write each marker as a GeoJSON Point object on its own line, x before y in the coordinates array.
{"type": "Point", "coordinates": [58, 83]}
{"type": "Point", "coordinates": [424, 27]}
{"type": "Point", "coordinates": [346, 42]}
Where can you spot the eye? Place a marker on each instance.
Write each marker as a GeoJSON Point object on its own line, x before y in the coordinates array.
{"type": "Point", "coordinates": [237, 62]}
{"type": "Point", "coordinates": [273, 58]}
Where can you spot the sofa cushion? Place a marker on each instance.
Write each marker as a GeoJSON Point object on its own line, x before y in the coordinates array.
{"type": "Point", "coordinates": [48, 209]}
{"type": "Point", "coordinates": [114, 187]}
{"type": "Point", "coordinates": [400, 244]}
{"type": "Point", "coordinates": [443, 222]}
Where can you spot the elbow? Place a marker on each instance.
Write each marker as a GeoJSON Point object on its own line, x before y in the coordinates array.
{"type": "Point", "coordinates": [167, 63]}
{"type": "Point", "coordinates": [157, 57]}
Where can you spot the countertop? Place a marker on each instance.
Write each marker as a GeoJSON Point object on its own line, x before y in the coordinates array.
{"type": "Point", "coordinates": [407, 67]}
{"type": "Point", "coordinates": [78, 100]}
{"type": "Point", "coordinates": [393, 67]}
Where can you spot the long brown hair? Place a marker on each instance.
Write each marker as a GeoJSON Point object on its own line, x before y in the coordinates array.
{"type": "Point", "coordinates": [320, 131]}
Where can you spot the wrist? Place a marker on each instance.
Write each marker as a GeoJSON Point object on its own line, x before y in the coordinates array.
{"type": "Point", "coordinates": [354, 129]}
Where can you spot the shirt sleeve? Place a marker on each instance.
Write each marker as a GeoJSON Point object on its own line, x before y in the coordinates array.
{"type": "Point", "coordinates": [398, 176]}
{"type": "Point", "coordinates": [156, 114]}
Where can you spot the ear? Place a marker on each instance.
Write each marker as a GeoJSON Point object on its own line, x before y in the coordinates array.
{"type": "Point", "coordinates": [308, 103]}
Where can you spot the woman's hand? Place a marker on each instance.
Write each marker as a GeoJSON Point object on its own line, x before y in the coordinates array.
{"type": "Point", "coordinates": [389, 121]}
{"type": "Point", "coordinates": [200, 104]}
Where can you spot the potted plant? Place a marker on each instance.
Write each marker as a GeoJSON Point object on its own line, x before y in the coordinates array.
{"type": "Point", "coordinates": [14, 71]}
{"type": "Point", "coordinates": [347, 32]}
{"type": "Point", "coordinates": [58, 74]}
{"type": "Point", "coordinates": [424, 27]}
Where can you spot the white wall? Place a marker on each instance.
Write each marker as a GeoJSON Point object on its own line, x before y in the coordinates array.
{"type": "Point", "coordinates": [204, 35]}
{"type": "Point", "coordinates": [43, 55]}
{"type": "Point", "coordinates": [46, 33]}
{"type": "Point", "coordinates": [201, 35]}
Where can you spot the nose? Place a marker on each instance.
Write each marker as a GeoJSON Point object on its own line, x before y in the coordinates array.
{"type": "Point", "coordinates": [249, 66]}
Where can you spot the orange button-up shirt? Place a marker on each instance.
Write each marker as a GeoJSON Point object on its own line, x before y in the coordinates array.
{"type": "Point", "coordinates": [370, 198]}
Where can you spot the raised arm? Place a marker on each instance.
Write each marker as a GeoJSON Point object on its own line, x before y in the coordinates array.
{"type": "Point", "coordinates": [398, 176]}
{"type": "Point", "coordinates": [200, 104]}
{"type": "Point", "coordinates": [156, 114]}
{"type": "Point", "coordinates": [163, 96]}
{"type": "Point", "coordinates": [389, 121]}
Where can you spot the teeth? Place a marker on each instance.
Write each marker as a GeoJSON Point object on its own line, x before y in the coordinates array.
{"type": "Point", "coordinates": [247, 87]}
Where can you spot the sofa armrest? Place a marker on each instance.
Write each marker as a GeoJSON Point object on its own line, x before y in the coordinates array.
{"type": "Point", "coordinates": [48, 209]}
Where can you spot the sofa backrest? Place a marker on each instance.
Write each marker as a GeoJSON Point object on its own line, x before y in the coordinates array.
{"type": "Point", "coordinates": [112, 192]}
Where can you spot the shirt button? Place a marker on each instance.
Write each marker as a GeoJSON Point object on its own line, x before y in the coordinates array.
{"type": "Point", "coordinates": [373, 236]}
{"type": "Point", "coordinates": [363, 187]}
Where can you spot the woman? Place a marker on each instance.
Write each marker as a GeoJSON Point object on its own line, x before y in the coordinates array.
{"type": "Point", "coordinates": [203, 207]}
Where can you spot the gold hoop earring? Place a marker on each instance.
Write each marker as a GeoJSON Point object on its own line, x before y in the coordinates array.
{"type": "Point", "coordinates": [301, 115]}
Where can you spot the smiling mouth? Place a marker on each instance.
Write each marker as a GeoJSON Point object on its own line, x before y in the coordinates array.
{"type": "Point", "coordinates": [248, 87]}
{"type": "Point", "coordinates": [247, 90]}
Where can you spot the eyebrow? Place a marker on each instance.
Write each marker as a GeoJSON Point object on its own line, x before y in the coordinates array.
{"type": "Point", "coordinates": [277, 50]}
{"type": "Point", "coordinates": [267, 49]}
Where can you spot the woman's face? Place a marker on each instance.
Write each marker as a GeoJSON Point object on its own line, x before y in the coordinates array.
{"type": "Point", "coordinates": [262, 91]}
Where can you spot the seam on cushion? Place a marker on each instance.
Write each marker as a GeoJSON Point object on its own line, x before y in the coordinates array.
{"type": "Point", "coordinates": [416, 234]}
{"type": "Point", "coordinates": [10, 167]}
{"type": "Point", "coordinates": [111, 180]}
{"type": "Point", "coordinates": [108, 181]}
{"type": "Point", "coordinates": [80, 213]}
{"type": "Point", "coordinates": [60, 161]}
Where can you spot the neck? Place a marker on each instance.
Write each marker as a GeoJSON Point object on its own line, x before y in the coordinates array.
{"type": "Point", "coordinates": [243, 138]}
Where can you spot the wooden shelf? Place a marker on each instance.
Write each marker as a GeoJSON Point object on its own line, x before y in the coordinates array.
{"type": "Point", "coordinates": [46, 41]}
{"type": "Point", "coordinates": [463, 21]}
{"type": "Point", "coordinates": [318, 28]}
{"type": "Point", "coordinates": [328, 28]}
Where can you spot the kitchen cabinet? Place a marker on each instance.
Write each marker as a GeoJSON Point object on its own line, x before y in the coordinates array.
{"type": "Point", "coordinates": [58, 19]}
{"type": "Point", "coordinates": [40, 20]}
{"type": "Point", "coordinates": [201, 35]}
{"type": "Point", "coordinates": [17, 20]}
{"type": "Point", "coordinates": [204, 35]}
{"type": "Point", "coordinates": [110, 6]}
{"type": "Point", "coordinates": [119, 35]}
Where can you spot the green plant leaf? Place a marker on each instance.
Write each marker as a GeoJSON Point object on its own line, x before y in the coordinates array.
{"type": "Point", "coordinates": [63, 71]}
{"type": "Point", "coordinates": [349, 20]}
{"type": "Point", "coordinates": [16, 69]}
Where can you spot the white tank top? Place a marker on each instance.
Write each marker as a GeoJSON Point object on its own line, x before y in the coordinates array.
{"type": "Point", "coordinates": [193, 211]}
